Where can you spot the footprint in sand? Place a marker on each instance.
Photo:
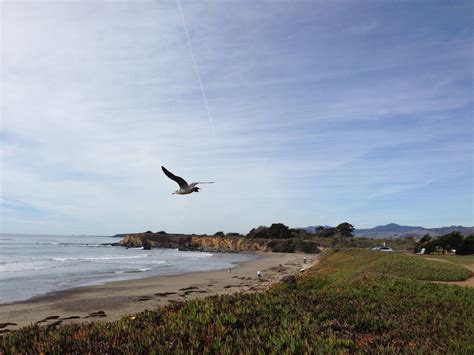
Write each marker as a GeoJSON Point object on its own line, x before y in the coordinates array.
{"type": "Point", "coordinates": [4, 325]}
{"type": "Point", "coordinates": [47, 319]}
{"type": "Point", "coordinates": [164, 294]}
{"type": "Point", "coordinates": [96, 314]}
{"type": "Point", "coordinates": [194, 291]}
{"type": "Point", "coordinates": [188, 288]}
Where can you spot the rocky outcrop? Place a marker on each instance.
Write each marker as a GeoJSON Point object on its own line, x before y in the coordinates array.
{"type": "Point", "coordinates": [173, 241]}
{"type": "Point", "coordinates": [217, 243]}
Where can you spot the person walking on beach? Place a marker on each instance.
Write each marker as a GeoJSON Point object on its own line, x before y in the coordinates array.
{"type": "Point", "coordinates": [259, 275]}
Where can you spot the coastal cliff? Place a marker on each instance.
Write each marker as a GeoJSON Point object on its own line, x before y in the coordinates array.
{"type": "Point", "coordinates": [216, 243]}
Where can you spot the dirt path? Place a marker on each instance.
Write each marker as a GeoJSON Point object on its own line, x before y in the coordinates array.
{"type": "Point", "coordinates": [469, 282]}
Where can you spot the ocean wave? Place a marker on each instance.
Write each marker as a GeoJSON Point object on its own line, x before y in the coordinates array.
{"type": "Point", "coordinates": [50, 263]}
{"type": "Point", "coordinates": [133, 271]}
{"type": "Point", "coordinates": [101, 258]}
{"type": "Point", "coordinates": [93, 245]}
{"type": "Point", "coordinates": [194, 254]}
{"type": "Point", "coordinates": [143, 269]}
{"type": "Point", "coordinates": [19, 266]}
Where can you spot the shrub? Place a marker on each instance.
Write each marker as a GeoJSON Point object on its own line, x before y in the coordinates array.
{"type": "Point", "coordinates": [275, 231]}
{"type": "Point", "coordinates": [467, 246]}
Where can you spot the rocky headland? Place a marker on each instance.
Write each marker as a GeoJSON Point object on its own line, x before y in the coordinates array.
{"type": "Point", "coordinates": [216, 243]}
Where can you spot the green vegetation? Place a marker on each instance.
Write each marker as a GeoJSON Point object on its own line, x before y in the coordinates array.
{"type": "Point", "coordinates": [340, 236]}
{"type": "Point", "coordinates": [417, 268]}
{"type": "Point", "coordinates": [353, 301]}
{"type": "Point", "coordinates": [445, 243]}
{"type": "Point", "coordinates": [343, 230]}
{"type": "Point", "coordinates": [405, 244]}
{"type": "Point", "coordinates": [458, 259]}
{"type": "Point", "coordinates": [275, 231]}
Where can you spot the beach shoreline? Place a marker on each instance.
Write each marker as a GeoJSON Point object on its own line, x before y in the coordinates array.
{"type": "Point", "coordinates": [116, 299]}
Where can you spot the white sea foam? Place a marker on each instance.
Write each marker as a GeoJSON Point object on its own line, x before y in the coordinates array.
{"type": "Point", "coordinates": [131, 271]}
{"type": "Point", "coordinates": [194, 254]}
{"type": "Point", "coordinates": [101, 258]}
{"type": "Point", "coordinates": [25, 266]}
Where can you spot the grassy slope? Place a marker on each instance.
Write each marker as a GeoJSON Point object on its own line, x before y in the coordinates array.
{"type": "Point", "coordinates": [467, 260]}
{"type": "Point", "coordinates": [354, 301]}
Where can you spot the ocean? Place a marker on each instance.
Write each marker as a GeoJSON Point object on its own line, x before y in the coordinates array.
{"type": "Point", "coordinates": [33, 265]}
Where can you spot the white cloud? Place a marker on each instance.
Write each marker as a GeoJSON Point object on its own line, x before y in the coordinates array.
{"type": "Point", "coordinates": [96, 97]}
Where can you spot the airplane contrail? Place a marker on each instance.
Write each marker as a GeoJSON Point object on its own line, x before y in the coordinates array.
{"type": "Point", "coordinates": [211, 121]}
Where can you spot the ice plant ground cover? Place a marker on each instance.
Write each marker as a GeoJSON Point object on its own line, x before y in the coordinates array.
{"type": "Point", "coordinates": [353, 301]}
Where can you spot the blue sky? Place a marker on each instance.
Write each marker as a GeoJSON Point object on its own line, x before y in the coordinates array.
{"type": "Point", "coordinates": [319, 112]}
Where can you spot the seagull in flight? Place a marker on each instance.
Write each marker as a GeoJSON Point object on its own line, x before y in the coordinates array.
{"type": "Point", "coordinates": [184, 187]}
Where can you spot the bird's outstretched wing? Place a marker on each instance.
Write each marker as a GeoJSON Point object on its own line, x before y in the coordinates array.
{"type": "Point", "coordinates": [201, 182]}
{"type": "Point", "coordinates": [181, 182]}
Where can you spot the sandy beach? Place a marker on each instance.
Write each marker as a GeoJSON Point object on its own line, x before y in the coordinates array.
{"type": "Point", "coordinates": [117, 299]}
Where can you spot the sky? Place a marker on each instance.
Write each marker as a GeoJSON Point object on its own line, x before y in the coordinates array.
{"type": "Point", "coordinates": [303, 112]}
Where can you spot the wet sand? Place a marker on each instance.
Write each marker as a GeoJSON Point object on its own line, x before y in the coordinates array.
{"type": "Point", "coordinates": [120, 298]}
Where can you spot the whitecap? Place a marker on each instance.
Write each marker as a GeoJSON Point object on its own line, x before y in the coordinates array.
{"type": "Point", "coordinates": [194, 254]}
{"type": "Point", "coordinates": [102, 258]}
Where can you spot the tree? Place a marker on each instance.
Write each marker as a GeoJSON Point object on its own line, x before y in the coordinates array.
{"type": "Point", "coordinates": [275, 231]}
{"type": "Point", "coordinates": [279, 231]}
{"type": "Point", "coordinates": [219, 234]}
{"type": "Point", "coordinates": [454, 240]}
{"type": "Point", "coordinates": [345, 230]}
{"type": "Point", "coordinates": [233, 234]}
{"type": "Point", "coordinates": [326, 232]}
{"type": "Point", "coordinates": [467, 246]}
{"type": "Point", "coordinates": [450, 241]}
{"type": "Point", "coordinates": [422, 243]}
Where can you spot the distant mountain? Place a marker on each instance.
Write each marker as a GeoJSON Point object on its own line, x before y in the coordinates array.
{"type": "Point", "coordinates": [389, 228]}
{"type": "Point", "coordinates": [393, 230]}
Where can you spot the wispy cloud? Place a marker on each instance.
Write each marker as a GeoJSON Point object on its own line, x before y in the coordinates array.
{"type": "Point", "coordinates": [364, 27]}
{"type": "Point", "coordinates": [317, 115]}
